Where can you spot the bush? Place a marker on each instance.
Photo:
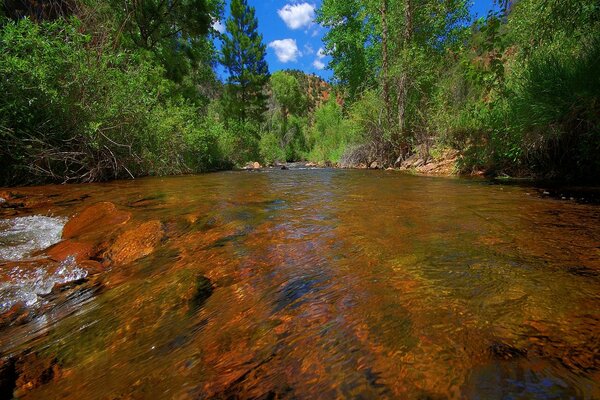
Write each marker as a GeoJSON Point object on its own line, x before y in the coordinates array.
{"type": "Point", "coordinates": [327, 138]}
{"type": "Point", "coordinates": [557, 106]}
{"type": "Point", "coordinates": [270, 149]}
{"type": "Point", "coordinates": [74, 112]}
{"type": "Point", "coordinates": [239, 142]}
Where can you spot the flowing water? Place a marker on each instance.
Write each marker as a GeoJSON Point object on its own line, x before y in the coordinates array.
{"type": "Point", "coordinates": [310, 284]}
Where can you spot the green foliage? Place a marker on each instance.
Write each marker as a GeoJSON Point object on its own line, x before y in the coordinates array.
{"type": "Point", "coordinates": [352, 41]}
{"type": "Point", "coordinates": [287, 93]}
{"type": "Point", "coordinates": [270, 149]}
{"type": "Point", "coordinates": [71, 112]}
{"type": "Point", "coordinates": [239, 142]}
{"type": "Point", "coordinates": [517, 93]}
{"type": "Point", "coordinates": [177, 35]}
{"type": "Point", "coordinates": [557, 105]}
{"type": "Point", "coordinates": [533, 92]}
{"type": "Point", "coordinates": [330, 135]}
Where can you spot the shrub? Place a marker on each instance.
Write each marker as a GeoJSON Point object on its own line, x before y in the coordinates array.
{"type": "Point", "coordinates": [74, 112]}
{"type": "Point", "coordinates": [270, 149]}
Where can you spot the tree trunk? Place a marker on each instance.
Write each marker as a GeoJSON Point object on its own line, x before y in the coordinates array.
{"type": "Point", "coordinates": [404, 80]}
{"type": "Point", "coordinates": [385, 62]}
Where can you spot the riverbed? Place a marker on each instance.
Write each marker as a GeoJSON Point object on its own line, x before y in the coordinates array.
{"type": "Point", "coordinates": [300, 284]}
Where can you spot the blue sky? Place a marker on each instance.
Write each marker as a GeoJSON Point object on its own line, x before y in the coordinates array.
{"type": "Point", "coordinates": [294, 40]}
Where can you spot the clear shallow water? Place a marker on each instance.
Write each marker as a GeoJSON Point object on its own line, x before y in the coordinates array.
{"type": "Point", "coordinates": [333, 284]}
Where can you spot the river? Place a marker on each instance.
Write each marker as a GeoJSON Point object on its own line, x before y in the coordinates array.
{"type": "Point", "coordinates": [303, 284]}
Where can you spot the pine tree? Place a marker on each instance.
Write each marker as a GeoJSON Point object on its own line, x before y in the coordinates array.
{"type": "Point", "coordinates": [243, 55]}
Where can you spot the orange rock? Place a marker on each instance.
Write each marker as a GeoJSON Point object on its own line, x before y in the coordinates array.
{"type": "Point", "coordinates": [99, 218]}
{"type": "Point", "coordinates": [67, 248]}
{"type": "Point", "coordinates": [136, 243]}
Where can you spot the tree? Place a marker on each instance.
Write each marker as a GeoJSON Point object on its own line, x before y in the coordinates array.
{"type": "Point", "coordinates": [176, 32]}
{"type": "Point", "coordinates": [149, 22]}
{"type": "Point", "coordinates": [385, 61]}
{"type": "Point", "coordinates": [287, 93]}
{"type": "Point", "coordinates": [404, 78]}
{"type": "Point", "coordinates": [290, 101]}
{"type": "Point", "coordinates": [353, 42]}
{"type": "Point", "coordinates": [424, 32]}
{"type": "Point", "coordinates": [243, 55]}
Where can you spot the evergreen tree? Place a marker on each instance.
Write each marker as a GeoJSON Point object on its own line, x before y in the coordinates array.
{"type": "Point", "coordinates": [244, 58]}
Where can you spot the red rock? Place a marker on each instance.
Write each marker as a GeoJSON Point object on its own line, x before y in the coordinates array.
{"type": "Point", "coordinates": [92, 267]}
{"type": "Point", "coordinates": [70, 248]}
{"type": "Point", "coordinates": [136, 243]}
{"type": "Point", "coordinates": [98, 218]}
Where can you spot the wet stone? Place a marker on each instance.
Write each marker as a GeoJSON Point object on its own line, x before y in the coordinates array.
{"type": "Point", "coordinates": [79, 251]}
{"type": "Point", "coordinates": [136, 243]}
{"type": "Point", "coordinates": [18, 314]}
{"type": "Point", "coordinates": [98, 218]}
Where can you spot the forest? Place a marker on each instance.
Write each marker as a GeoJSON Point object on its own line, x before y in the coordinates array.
{"type": "Point", "coordinates": [94, 90]}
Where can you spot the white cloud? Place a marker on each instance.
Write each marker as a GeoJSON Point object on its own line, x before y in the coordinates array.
{"type": "Point", "coordinates": [308, 49]}
{"type": "Point", "coordinates": [285, 49]}
{"type": "Point", "coordinates": [318, 64]}
{"type": "Point", "coordinates": [298, 15]}
{"type": "Point", "coordinates": [218, 26]}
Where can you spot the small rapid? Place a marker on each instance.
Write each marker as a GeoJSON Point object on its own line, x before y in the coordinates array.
{"type": "Point", "coordinates": [29, 286]}
{"type": "Point", "coordinates": [21, 237]}
{"type": "Point", "coordinates": [26, 278]}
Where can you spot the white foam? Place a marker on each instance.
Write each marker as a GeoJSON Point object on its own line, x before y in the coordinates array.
{"type": "Point", "coordinates": [22, 236]}
{"type": "Point", "coordinates": [26, 286]}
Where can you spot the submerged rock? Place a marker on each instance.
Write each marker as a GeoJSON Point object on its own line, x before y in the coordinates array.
{"type": "Point", "coordinates": [136, 243]}
{"type": "Point", "coordinates": [33, 371]}
{"type": "Point", "coordinates": [204, 289]}
{"type": "Point", "coordinates": [505, 351]}
{"type": "Point", "coordinates": [96, 219]}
